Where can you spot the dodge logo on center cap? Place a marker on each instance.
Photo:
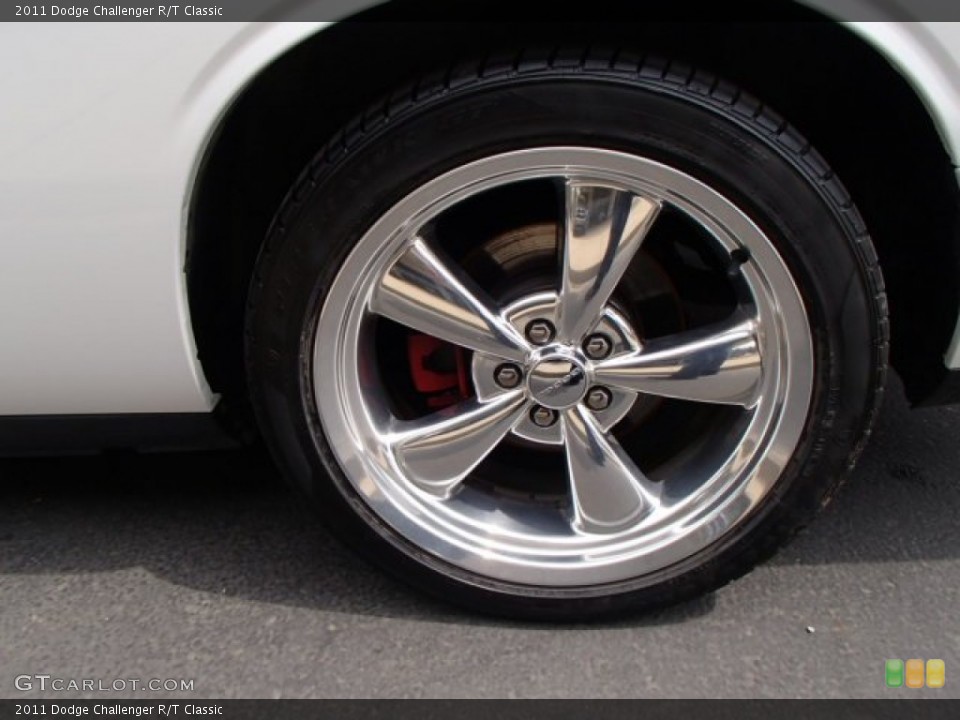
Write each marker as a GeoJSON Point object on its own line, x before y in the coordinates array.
{"type": "Point", "coordinates": [557, 382]}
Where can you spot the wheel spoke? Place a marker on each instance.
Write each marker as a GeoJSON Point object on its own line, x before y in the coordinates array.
{"type": "Point", "coordinates": [603, 229]}
{"type": "Point", "coordinates": [427, 294]}
{"type": "Point", "coordinates": [610, 493]}
{"type": "Point", "coordinates": [718, 364]}
{"type": "Point", "coordinates": [437, 452]}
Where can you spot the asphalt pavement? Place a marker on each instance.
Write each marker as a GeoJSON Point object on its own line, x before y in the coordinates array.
{"type": "Point", "coordinates": [204, 568]}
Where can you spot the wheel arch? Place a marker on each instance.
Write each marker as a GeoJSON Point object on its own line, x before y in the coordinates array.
{"type": "Point", "coordinates": [287, 110]}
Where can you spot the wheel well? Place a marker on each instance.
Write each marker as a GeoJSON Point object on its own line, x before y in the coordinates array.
{"type": "Point", "coordinates": [838, 91]}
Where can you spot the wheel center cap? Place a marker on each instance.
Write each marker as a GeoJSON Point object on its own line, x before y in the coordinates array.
{"type": "Point", "coordinates": [557, 381]}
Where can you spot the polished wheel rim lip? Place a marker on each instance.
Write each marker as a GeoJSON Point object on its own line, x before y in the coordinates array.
{"type": "Point", "coordinates": [499, 539]}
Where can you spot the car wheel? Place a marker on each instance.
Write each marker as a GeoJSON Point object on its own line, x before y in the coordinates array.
{"type": "Point", "coordinates": [561, 340]}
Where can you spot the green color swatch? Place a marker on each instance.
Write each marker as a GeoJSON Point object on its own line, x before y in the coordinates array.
{"type": "Point", "coordinates": [894, 673]}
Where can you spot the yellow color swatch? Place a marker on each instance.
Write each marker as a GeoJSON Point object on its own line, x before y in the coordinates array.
{"type": "Point", "coordinates": [936, 673]}
{"type": "Point", "coordinates": [914, 674]}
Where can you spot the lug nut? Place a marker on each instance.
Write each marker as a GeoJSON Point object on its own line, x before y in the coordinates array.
{"type": "Point", "coordinates": [597, 346]}
{"type": "Point", "coordinates": [540, 332]}
{"type": "Point", "coordinates": [543, 417]}
{"type": "Point", "coordinates": [507, 376]}
{"type": "Point", "coordinates": [599, 398]}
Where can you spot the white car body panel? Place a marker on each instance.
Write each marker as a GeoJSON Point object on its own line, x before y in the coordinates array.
{"type": "Point", "coordinates": [98, 152]}
{"type": "Point", "coordinates": [100, 140]}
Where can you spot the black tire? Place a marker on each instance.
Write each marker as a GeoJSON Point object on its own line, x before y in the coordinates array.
{"type": "Point", "coordinates": [660, 110]}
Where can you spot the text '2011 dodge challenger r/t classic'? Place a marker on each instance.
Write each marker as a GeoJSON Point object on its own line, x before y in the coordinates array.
{"type": "Point", "coordinates": [553, 320]}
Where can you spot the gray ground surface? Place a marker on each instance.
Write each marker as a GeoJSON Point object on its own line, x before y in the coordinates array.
{"type": "Point", "coordinates": [204, 567]}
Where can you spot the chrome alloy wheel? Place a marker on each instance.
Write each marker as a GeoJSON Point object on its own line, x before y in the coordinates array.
{"type": "Point", "coordinates": [581, 369]}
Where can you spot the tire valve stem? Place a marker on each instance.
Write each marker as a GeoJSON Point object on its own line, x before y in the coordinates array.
{"type": "Point", "coordinates": [737, 258]}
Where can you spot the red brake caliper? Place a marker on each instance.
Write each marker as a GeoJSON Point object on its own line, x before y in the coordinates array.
{"type": "Point", "coordinates": [440, 371]}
